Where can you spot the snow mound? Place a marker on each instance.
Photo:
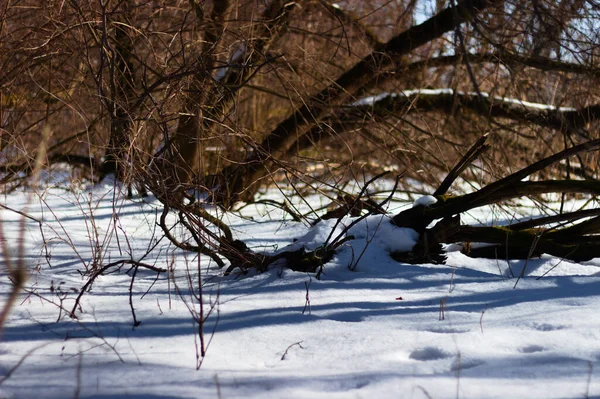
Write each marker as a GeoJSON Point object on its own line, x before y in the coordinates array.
{"type": "Point", "coordinates": [426, 200]}
{"type": "Point", "coordinates": [375, 230]}
{"type": "Point", "coordinates": [380, 230]}
{"type": "Point", "coordinates": [318, 235]}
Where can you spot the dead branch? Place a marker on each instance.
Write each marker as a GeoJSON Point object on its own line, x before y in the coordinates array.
{"type": "Point", "coordinates": [509, 187]}
{"type": "Point", "coordinates": [504, 57]}
{"type": "Point", "coordinates": [118, 265]}
{"type": "Point", "coordinates": [577, 242]}
{"type": "Point", "coordinates": [471, 155]}
{"type": "Point", "coordinates": [569, 120]}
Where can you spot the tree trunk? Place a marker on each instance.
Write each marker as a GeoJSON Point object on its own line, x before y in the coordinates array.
{"type": "Point", "coordinates": [122, 92]}
{"type": "Point", "coordinates": [192, 124]}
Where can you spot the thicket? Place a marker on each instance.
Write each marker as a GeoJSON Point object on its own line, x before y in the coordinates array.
{"type": "Point", "coordinates": [205, 103]}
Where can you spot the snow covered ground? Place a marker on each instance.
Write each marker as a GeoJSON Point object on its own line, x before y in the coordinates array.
{"type": "Point", "coordinates": [370, 328]}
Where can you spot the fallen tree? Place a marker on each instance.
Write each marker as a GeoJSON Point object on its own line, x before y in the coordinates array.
{"type": "Point", "coordinates": [521, 240]}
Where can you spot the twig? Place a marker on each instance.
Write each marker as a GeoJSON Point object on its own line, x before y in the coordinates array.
{"type": "Point", "coordinates": [481, 318]}
{"type": "Point", "coordinates": [307, 302]}
{"type": "Point", "coordinates": [8, 208]}
{"type": "Point", "coordinates": [556, 265]}
{"type": "Point", "coordinates": [21, 360]}
{"type": "Point", "coordinates": [476, 149]}
{"type": "Point", "coordinates": [101, 271]}
{"type": "Point", "coordinates": [360, 194]}
{"type": "Point", "coordinates": [359, 219]}
{"type": "Point", "coordinates": [531, 250]}
{"type": "Point", "coordinates": [78, 376]}
{"type": "Point", "coordinates": [291, 346]}
{"type": "Point", "coordinates": [570, 217]}
{"type": "Point", "coordinates": [135, 320]}
{"type": "Point", "coordinates": [589, 379]}
{"type": "Point", "coordinates": [442, 305]}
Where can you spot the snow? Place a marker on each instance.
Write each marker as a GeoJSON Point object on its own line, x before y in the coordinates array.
{"type": "Point", "coordinates": [372, 100]}
{"type": "Point", "coordinates": [370, 328]}
{"type": "Point", "coordinates": [426, 200]}
{"type": "Point", "coordinates": [375, 230]}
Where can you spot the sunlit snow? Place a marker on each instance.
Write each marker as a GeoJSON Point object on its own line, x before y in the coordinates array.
{"type": "Point", "coordinates": [370, 328]}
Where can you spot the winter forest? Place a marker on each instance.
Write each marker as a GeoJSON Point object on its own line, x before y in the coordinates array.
{"type": "Point", "coordinates": [300, 199]}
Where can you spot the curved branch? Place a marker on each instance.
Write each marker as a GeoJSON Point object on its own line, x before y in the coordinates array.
{"type": "Point", "coordinates": [200, 248]}
{"type": "Point", "coordinates": [570, 120]}
{"type": "Point", "coordinates": [524, 244]}
{"type": "Point", "coordinates": [378, 108]}
{"type": "Point", "coordinates": [569, 217]}
{"type": "Point", "coordinates": [473, 153]}
{"type": "Point", "coordinates": [101, 271]}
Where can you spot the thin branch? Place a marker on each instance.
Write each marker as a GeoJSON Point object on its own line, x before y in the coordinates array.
{"type": "Point", "coordinates": [473, 153]}
{"type": "Point", "coordinates": [102, 270]}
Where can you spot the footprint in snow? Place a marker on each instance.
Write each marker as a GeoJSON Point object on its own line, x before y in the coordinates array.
{"type": "Point", "coordinates": [447, 330]}
{"type": "Point", "coordinates": [429, 353]}
{"type": "Point", "coordinates": [464, 364]}
{"type": "Point", "coordinates": [547, 327]}
{"type": "Point", "coordinates": [532, 349]}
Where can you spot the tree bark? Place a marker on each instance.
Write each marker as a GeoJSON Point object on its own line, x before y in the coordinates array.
{"type": "Point", "coordinates": [122, 92]}
{"type": "Point", "coordinates": [187, 139]}
{"type": "Point", "coordinates": [214, 95]}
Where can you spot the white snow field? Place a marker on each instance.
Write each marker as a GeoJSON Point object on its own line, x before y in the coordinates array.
{"type": "Point", "coordinates": [368, 329]}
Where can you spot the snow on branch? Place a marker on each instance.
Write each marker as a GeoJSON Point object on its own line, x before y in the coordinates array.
{"type": "Point", "coordinates": [566, 119]}
{"type": "Point", "coordinates": [569, 119]}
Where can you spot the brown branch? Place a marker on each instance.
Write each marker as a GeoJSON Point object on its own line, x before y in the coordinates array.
{"type": "Point", "coordinates": [591, 226]}
{"type": "Point", "coordinates": [476, 149]}
{"type": "Point", "coordinates": [569, 217]}
{"type": "Point", "coordinates": [534, 188]}
{"type": "Point", "coordinates": [509, 187]}
{"type": "Point", "coordinates": [447, 100]}
{"type": "Point", "coordinates": [201, 248]}
{"type": "Point", "coordinates": [102, 270]}
{"type": "Point", "coordinates": [518, 244]}
{"type": "Point", "coordinates": [378, 109]}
